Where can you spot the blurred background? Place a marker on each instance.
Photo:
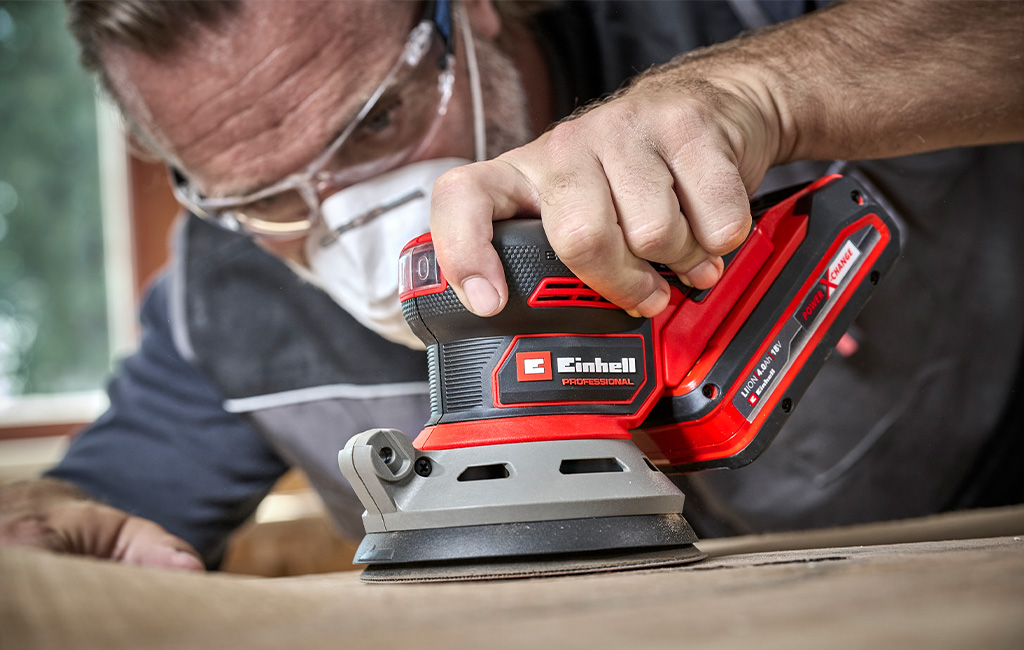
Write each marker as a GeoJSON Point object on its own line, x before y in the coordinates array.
{"type": "Point", "coordinates": [84, 226]}
{"type": "Point", "coordinates": [54, 321]}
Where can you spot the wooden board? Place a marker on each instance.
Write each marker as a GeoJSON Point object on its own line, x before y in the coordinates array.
{"type": "Point", "coordinates": [947, 594]}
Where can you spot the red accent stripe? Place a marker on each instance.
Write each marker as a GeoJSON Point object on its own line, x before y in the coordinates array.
{"type": "Point", "coordinates": [432, 289]}
{"type": "Point", "coordinates": [566, 292]}
{"type": "Point", "coordinates": [534, 428]}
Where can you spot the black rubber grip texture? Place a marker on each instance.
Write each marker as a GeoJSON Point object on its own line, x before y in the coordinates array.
{"type": "Point", "coordinates": [434, 371]}
{"type": "Point", "coordinates": [462, 384]}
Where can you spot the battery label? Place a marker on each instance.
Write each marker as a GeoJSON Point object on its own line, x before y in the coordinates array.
{"type": "Point", "coordinates": [775, 359]}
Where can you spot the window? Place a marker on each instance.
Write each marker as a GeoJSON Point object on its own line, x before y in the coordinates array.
{"type": "Point", "coordinates": [72, 256]}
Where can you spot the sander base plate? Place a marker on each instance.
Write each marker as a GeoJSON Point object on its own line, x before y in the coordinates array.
{"type": "Point", "coordinates": [528, 549]}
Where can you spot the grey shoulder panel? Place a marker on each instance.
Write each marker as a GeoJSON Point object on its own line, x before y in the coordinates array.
{"type": "Point", "coordinates": [319, 393]}
{"type": "Point", "coordinates": [259, 329]}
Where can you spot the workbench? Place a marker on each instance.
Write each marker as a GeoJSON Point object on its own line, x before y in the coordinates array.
{"type": "Point", "coordinates": [799, 590]}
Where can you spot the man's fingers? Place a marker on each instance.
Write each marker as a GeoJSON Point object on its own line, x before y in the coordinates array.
{"type": "Point", "coordinates": [465, 203]}
{"type": "Point", "coordinates": [704, 274]}
{"type": "Point", "coordinates": [581, 220]}
{"type": "Point", "coordinates": [652, 222]}
{"type": "Point", "coordinates": [715, 203]}
{"type": "Point", "coordinates": [143, 542]}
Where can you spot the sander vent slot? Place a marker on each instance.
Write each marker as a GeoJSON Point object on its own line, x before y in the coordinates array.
{"type": "Point", "coordinates": [590, 466]}
{"type": "Point", "coordinates": [484, 472]}
{"type": "Point", "coordinates": [566, 292]}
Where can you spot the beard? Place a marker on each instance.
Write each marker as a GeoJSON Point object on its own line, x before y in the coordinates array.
{"type": "Point", "coordinates": [506, 112]}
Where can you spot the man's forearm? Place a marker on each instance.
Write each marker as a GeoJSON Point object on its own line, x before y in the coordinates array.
{"type": "Point", "coordinates": [870, 79]}
{"type": "Point", "coordinates": [44, 512]}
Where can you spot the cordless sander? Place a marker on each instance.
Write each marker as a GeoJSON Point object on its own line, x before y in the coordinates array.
{"type": "Point", "coordinates": [555, 423]}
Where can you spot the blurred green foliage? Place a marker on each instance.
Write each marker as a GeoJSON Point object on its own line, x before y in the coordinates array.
{"type": "Point", "coordinates": [53, 319]}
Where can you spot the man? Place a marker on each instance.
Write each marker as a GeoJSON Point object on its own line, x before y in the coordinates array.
{"type": "Point", "coordinates": [317, 131]}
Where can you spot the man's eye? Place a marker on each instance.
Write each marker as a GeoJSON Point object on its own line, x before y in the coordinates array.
{"type": "Point", "coordinates": [377, 122]}
{"type": "Point", "coordinates": [380, 118]}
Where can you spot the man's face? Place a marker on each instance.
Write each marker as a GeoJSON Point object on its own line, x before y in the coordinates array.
{"type": "Point", "coordinates": [260, 98]}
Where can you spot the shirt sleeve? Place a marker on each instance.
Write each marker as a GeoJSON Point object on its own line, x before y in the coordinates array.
{"type": "Point", "coordinates": [166, 450]}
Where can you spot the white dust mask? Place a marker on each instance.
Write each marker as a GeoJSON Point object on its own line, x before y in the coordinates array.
{"type": "Point", "coordinates": [354, 258]}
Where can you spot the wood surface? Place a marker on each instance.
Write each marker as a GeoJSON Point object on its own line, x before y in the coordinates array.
{"type": "Point", "coordinates": [945, 594]}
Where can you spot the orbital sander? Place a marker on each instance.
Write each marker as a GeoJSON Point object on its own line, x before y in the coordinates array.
{"type": "Point", "coordinates": [554, 425]}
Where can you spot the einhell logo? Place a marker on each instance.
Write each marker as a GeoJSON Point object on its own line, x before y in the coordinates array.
{"type": "Point", "coordinates": [536, 366]}
{"type": "Point", "coordinates": [576, 365]}
{"type": "Point", "coordinates": [533, 366]}
{"type": "Point", "coordinates": [626, 365]}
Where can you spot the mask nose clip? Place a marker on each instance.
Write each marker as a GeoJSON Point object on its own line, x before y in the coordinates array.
{"type": "Point", "coordinates": [361, 220]}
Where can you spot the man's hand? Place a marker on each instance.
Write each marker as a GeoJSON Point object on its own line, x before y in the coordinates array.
{"type": "Point", "coordinates": [56, 516]}
{"type": "Point", "coordinates": [661, 172]}
{"type": "Point", "coordinates": [657, 174]}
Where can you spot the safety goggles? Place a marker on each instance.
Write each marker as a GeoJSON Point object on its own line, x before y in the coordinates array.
{"type": "Point", "coordinates": [396, 123]}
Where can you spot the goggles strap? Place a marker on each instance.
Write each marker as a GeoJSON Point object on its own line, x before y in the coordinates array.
{"type": "Point", "coordinates": [479, 132]}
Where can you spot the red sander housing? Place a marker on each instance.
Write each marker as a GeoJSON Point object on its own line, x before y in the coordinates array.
{"type": "Point", "coordinates": [553, 424]}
